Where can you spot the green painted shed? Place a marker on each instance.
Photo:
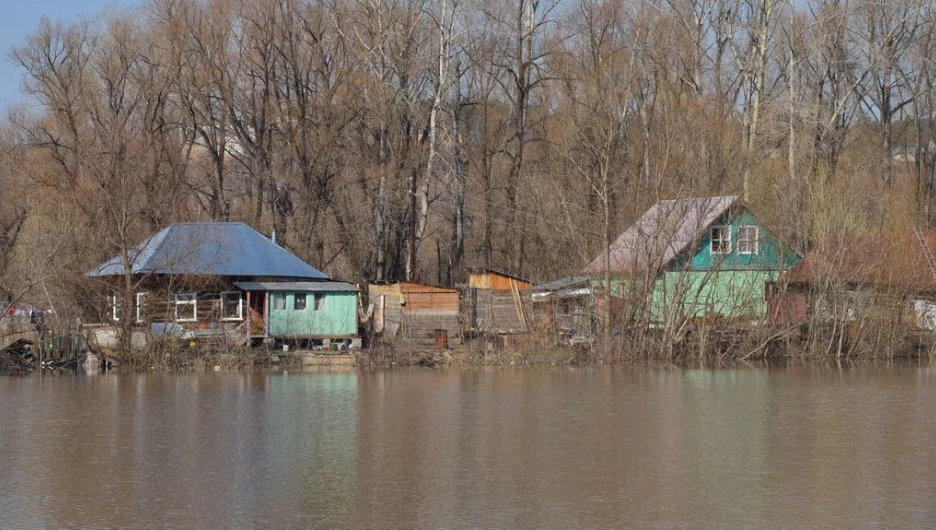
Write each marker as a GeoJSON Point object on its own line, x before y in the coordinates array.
{"type": "Point", "coordinates": [702, 257]}
{"type": "Point", "coordinates": [302, 310]}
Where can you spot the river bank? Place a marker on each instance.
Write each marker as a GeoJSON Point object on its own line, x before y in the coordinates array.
{"type": "Point", "coordinates": [389, 358]}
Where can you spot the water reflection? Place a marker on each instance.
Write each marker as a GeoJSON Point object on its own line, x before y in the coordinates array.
{"type": "Point", "coordinates": [475, 448]}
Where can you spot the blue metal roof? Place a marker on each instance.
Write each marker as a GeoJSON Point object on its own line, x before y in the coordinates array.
{"type": "Point", "coordinates": [217, 249]}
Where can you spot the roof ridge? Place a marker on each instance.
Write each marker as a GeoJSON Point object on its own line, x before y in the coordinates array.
{"type": "Point", "coordinates": [142, 246]}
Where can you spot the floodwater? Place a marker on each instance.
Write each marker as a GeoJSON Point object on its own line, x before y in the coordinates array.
{"type": "Point", "coordinates": [503, 448]}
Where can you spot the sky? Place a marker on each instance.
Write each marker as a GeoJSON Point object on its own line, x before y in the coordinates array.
{"type": "Point", "coordinates": [20, 18]}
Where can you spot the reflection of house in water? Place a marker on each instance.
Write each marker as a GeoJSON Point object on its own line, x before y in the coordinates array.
{"type": "Point", "coordinates": [225, 281]}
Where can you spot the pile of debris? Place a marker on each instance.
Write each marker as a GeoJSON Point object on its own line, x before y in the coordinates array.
{"type": "Point", "coordinates": [18, 357]}
{"type": "Point", "coordinates": [21, 357]}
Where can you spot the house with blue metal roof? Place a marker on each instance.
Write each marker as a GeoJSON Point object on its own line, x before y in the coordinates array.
{"type": "Point", "coordinates": [206, 279]}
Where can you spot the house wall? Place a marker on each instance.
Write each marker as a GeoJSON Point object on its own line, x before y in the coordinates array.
{"type": "Point", "coordinates": [161, 307]}
{"type": "Point", "coordinates": [414, 312]}
{"type": "Point", "coordinates": [787, 308]}
{"type": "Point", "coordinates": [731, 285]}
{"type": "Point", "coordinates": [498, 311]}
{"type": "Point", "coordinates": [772, 253]}
{"type": "Point", "coordinates": [727, 294]}
{"type": "Point", "coordinates": [338, 320]}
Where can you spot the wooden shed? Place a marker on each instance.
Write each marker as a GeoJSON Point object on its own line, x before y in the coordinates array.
{"type": "Point", "coordinates": [497, 302]}
{"type": "Point", "coordinates": [418, 313]}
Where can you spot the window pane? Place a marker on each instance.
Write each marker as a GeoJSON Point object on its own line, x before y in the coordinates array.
{"type": "Point", "coordinates": [299, 303]}
{"type": "Point", "coordinates": [279, 302]}
{"type": "Point", "coordinates": [140, 306]}
{"type": "Point", "coordinates": [721, 239]}
{"type": "Point", "coordinates": [231, 306]}
{"type": "Point", "coordinates": [747, 240]}
{"type": "Point", "coordinates": [319, 302]}
{"type": "Point", "coordinates": [185, 308]}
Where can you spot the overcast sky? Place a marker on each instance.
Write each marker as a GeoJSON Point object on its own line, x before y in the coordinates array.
{"type": "Point", "coordinates": [19, 18]}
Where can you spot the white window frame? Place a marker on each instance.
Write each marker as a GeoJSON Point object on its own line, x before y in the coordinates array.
{"type": "Point", "coordinates": [240, 306]}
{"type": "Point", "coordinates": [315, 305]}
{"type": "Point", "coordinates": [184, 302]}
{"type": "Point", "coordinates": [756, 241]}
{"type": "Point", "coordinates": [726, 242]}
{"type": "Point", "coordinates": [140, 299]}
{"type": "Point", "coordinates": [273, 297]}
{"type": "Point", "coordinates": [115, 307]}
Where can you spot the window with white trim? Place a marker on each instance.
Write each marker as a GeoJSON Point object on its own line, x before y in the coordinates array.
{"type": "Point", "coordinates": [720, 240]}
{"type": "Point", "coordinates": [115, 307]}
{"type": "Point", "coordinates": [748, 239]}
{"type": "Point", "coordinates": [186, 307]}
{"type": "Point", "coordinates": [318, 302]}
{"type": "Point", "coordinates": [232, 306]}
{"type": "Point", "coordinates": [140, 306]}
{"type": "Point", "coordinates": [279, 301]}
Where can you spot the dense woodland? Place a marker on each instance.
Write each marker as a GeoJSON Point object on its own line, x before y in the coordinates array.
{"type": "Point", "coordinates": [390, 139]}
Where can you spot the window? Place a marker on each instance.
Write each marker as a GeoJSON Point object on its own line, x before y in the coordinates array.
{"type": "Point", "coordinates": [185, 307]}
{"type": "Point", "coordinates": [115, 307]}
{"type": "Point", "coordinates": [299, 302]}
{"type": "Point", "coordinates": [747, 240]}
{"type": "Point", "coordinates": [279, 301]}
{"type": "Point", "coordinates": [721, 240]}
{"type": "Point", "coordinates": [232, 306]}
{"type": "Point", "coordinates": [319, 302]}
{"type": "Point", "coordinates": [140, 306]}
{"type": "Point", "coordinates": [139, 300]}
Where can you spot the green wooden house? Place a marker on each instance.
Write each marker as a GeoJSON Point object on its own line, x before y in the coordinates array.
{"type": "Point", "coordinates": [701, 257]}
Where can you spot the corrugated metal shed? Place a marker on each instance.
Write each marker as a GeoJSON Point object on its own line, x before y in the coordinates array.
{"type": "Point", "coordinates": [216, 249]}
{"type": "Point", "coordinates": [661, 234]}
{"type": "Point", "coordinates": [564, 283]}
{"type": "Point", "coordinates": [332, 287]}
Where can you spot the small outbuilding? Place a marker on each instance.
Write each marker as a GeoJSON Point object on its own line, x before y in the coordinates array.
{"type": "Point", "coordinates": [497, 302]}
{"type": "Point", "coordinates": [417, 313]}
{"type": "Point", "coordinates": [565, 306]}
{"type": "Point", "coordinates": [886, 276]}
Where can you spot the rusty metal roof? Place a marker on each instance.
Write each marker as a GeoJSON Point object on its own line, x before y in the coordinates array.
{"type": "Point", "coordinates": [886, 259]}
{"type": "Point", "coordinates": [661, 234]}
{"type": "Point", "coordinates": [216, 249]}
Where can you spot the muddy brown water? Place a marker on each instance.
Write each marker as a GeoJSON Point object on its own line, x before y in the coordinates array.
{"type": "Point", "coordinates": [501, 448]}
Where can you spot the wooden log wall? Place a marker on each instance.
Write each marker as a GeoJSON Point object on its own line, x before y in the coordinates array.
{"type": "Point", "coordinates": [499, 311]}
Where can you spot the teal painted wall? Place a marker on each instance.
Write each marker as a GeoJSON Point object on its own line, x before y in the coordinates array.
{"type": "Point", "coordinates": [730, 294]}
{"type": "Point", "coordinates": [339, 319]}
{"type": "Point", "coordinates": [772, 254]}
